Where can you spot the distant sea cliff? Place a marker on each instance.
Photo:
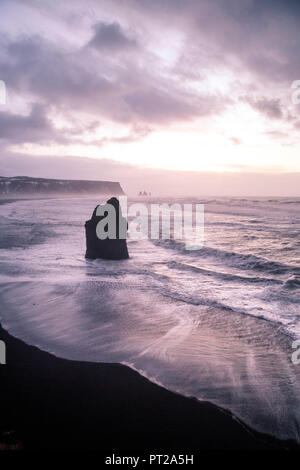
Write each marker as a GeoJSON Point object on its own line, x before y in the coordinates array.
{"type": "Point", "coordinates": [27, 186]}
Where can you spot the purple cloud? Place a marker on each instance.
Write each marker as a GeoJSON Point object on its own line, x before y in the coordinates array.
{"type": "Point", "coordinates": [271, 108]}
{"type": "Point", "coordinates": [145, 65]}
{"type": "Point", "coordinates": [111, 37]}
{"type": "Point", "coordinates": [34, 127]}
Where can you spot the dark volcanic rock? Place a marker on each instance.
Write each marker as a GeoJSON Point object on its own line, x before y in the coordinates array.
{"type": "Point", "coordinates": [24, 185]}
{"type": "Point", "coordinates": [108, 248]}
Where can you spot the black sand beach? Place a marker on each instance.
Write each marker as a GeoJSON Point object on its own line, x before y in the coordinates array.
{"type": "Point", "coordinates": [51, 403]}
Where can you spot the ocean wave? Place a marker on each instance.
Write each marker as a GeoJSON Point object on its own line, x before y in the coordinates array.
{"type": "Point", "coordinates": [223, 276]}
{"type": "Point", "coordinates": [231, 258]}
{"type": "Point", "coordinates": [22, 235]}
{"type": "Point", "coordinates": [223, 307]}
{"type": "Point", "coordinates": [292, 283]}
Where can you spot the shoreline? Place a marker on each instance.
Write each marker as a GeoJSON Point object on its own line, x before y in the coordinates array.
{"type": "Point", "coordinates": [53, 403]}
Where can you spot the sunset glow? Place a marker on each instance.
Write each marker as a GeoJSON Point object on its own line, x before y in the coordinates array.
{"type": "Point", "coordinates": [128, 82]}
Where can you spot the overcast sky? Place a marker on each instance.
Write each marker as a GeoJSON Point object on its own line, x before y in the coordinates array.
{"type": "Point", "coordinates": [194, 94]}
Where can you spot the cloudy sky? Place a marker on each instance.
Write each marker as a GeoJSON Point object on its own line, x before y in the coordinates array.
{"type": "Point", "coordinates": [153, 91]}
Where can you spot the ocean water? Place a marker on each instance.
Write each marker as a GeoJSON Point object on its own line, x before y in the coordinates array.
{"type": "Point", "coordinates": [216, 323]}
